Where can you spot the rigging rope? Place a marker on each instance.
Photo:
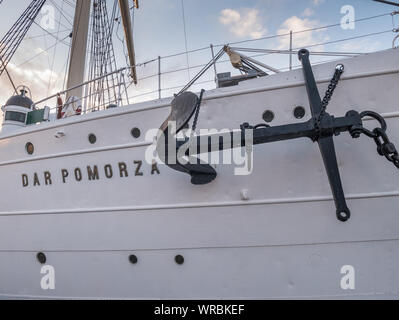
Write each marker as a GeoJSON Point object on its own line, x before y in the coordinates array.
{"type": "Point", "coordinates": [16, 34]}
{"type": "Point", "coordinates": [55, 50]}
{"type": "Point", "coordinates": [102, 57]}
{"type": "Point", "coordinates": [185, 39]}
{"type": "Point", "coordinates": [42, 52]}
{"type": "Point", "coordinates": [263, 38]}
{"type": "Point", "coordinates": [278, 35]}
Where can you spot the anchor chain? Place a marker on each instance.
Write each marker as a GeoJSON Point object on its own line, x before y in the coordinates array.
{"type": "Point", "coordinates": [196, 118]}
{"type": "Point", "coordinates": [385, 147]}
{"type": "Point", "coordinates": [197, 111]}
{"type": "Point", "coordinates": [339, 70]}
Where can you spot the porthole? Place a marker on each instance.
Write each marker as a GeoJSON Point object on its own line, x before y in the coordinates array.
{"type": "Point", "coordinates": [133, 259]}
{"type": "Point", "coordinates": [179, 259]}
{"type": "Point", "coordinates": [268, 116]}
{"type": "Point", "coordinates": [299, 112]}
{"type": "Point", "coordinates": [136, 133]}
{"type": "Point", "coordinates": [41, 257]}
{"type": "Point", "coordinates": [30, 148]}
{"type": "Point", "coordinates": [92, 138]}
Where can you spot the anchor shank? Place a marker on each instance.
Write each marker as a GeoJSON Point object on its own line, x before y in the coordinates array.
{"type": "Point", "coordinates": [325, 141]}
{"type": "Point", "coordinates": [327, 149]}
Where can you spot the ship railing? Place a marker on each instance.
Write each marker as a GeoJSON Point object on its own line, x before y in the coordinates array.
{"type": "Point", "coordinates": [91, 104]}
{"type": "Point", "coordinates": [103, 98]}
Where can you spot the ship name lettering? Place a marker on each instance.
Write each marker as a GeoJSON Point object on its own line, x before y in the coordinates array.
{"type": "Point", "coordinates": [91, 173]}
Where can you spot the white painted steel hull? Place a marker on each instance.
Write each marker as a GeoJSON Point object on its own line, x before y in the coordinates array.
{"type": "Point", "coordinates": [284, 242]}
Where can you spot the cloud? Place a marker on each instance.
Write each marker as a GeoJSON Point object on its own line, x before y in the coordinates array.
{"type": "Point", "coordinates": [35, 73]}
{"type": "Point", "coordinates": [35, 78]}
{"type": "Point", "coordinates": [301, 39]}
{"type": "Point", "coordinates": [361, 46]}
{"type": "Point", "coordinates": [308, 12]}
{"type": "Point", "coordinates": [40, 51]}
{"type": "Point", "coordinates": [317, 2]}
{"type": "Point", "coordinates": [245, 23]}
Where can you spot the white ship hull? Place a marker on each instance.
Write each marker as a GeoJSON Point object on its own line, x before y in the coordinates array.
{"type": "Point", "coordinates": [284, 241]}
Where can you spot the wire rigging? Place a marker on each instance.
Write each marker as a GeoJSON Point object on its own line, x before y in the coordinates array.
{"type": "Point", "coordinates": [42, 52]}
{"type": "Point", "coordinates": [16, 34]}
{"type": "Point", "coordinates": [102, 60]}
{"type": "Point", "coordinates": [277, 35]}
{"type": "Point", "coordinates": [54, 52]}
{"type": "Point", "coordinates": [185, 38]}
{"type": "Point", "coordinates": [102, 57]}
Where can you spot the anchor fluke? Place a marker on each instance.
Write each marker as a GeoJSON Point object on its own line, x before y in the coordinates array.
{"type": "Point", "coordinates": [184, 106]}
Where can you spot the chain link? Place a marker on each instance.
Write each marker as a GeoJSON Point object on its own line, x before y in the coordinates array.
{"type": "Point", "coordinates": [339, 70]}
{"type": "Point", "coordinates": [195, 123]}
{"type": "Point", "coordinates": [197, 111]}
{"type": "Point", "coordinates": [385, 147]}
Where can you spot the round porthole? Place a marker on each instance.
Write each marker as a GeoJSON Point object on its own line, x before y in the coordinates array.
{"type": "Point", "coordinates": [268, 116]}
{"type": "Point", "coordinates": [179, 259]}
{"type": "Point", "coordinates": [41, 257]}
{"type": "Point", "coordinates": [299, 112]}
{"type": "Point", "coordinates": [136, 133]}
{"type": "Point", "coordinates": [30, 148]}
{"type": "Point", "coordinates": [133, 259]}
{"type": "Point", "coordinates": [92, 138]}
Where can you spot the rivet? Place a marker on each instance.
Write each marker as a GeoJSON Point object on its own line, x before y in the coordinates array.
{"type": "Point", "coordinates": [245, 195]}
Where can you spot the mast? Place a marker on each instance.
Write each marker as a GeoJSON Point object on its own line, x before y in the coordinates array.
{"type": "Point", "coordinates": [127, 25]}
{"type": "Point", "coordinates": [77, 61]}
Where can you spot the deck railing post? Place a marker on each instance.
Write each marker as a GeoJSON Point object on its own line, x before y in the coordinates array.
{"type": "Point", "coordinates": [214, 66]}
{"type": "Point", "coordinates": [124, 83]}
{"type": "Point", "coordinates": [119, 99]}
{"type": "Point", "coordinates": [291, 50]}
{"type": "Point", "coordinates": [85, 98]}
{"type": "Point", "coordinates": [159, 78]}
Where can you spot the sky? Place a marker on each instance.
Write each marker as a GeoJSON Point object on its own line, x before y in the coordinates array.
{"type": "Point", "coordinates": [159, 31]}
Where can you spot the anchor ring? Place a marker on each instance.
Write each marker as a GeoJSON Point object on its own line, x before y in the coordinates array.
{"type": "Point", "coordinates": [377, 117]}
